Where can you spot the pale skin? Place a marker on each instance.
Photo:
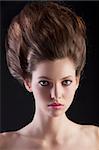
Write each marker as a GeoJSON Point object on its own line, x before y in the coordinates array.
{"type": "Point", "coordinates": [52, 81]}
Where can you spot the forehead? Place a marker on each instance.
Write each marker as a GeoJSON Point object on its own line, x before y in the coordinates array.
{"type": "Point", "coordinates": [55, 69]}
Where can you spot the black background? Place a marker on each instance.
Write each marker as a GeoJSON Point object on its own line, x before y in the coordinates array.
{"type": "Point", "coordinates": [17, 105]}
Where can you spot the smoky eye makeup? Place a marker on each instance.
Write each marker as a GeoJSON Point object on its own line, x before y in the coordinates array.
{"type": "Point", "coordinates": [66, 82]}
{"type": "Point", "coordinates": [44, 83]}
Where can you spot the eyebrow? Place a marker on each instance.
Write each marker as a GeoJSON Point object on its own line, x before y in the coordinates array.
{"type": "Point", "coordinates": [44, 77]}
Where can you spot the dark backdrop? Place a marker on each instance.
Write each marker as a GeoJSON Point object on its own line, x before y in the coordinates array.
{"type": "Point", "coordinates": [17, 105]}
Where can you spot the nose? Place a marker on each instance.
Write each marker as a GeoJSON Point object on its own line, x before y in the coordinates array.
{"type": "Point", "coordinates": [56, 92]}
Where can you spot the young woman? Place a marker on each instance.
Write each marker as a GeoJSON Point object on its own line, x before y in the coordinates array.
{"type": "Point", "coordinates": [46, 52]}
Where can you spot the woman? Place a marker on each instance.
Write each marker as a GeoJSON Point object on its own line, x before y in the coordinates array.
{"type": "Point", "coordinates": [46, 52]}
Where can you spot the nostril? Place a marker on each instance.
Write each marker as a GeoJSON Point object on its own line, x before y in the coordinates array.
{"type": "Point", "coordinates": [55, 97]}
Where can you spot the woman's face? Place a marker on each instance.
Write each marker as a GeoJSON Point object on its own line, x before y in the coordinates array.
{"type": "Point", "coordinates": [53, 85]}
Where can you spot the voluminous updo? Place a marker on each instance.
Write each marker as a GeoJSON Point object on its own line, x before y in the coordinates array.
{"type": "Point", "coordinates": [44, 31]}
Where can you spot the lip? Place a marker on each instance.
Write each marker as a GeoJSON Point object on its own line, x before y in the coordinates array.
{"type": "Point", "coordinates": [56, 105]}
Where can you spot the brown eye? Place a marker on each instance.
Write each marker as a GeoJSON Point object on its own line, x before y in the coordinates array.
{"type": "Point", "coordinates": [66, 82]}
{"type": "Point", "coordinates": [43, 83]}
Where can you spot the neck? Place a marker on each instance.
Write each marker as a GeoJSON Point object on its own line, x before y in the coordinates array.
{"type": "Point", "coordinates": [51, 127]}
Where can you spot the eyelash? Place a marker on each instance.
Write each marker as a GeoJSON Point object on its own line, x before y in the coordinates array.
{"type": "Point", "coordinates": [44, 81]}
{"type": "Point", "coordinates": [64, 83]}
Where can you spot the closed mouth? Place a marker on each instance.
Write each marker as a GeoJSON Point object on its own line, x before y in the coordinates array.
{"type": "Point", "coordinates": [55, 104]}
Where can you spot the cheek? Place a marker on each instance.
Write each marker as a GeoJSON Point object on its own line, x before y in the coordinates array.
{"type": "Point", "coordinates": [69, 93]}
{"type": "Point", "coordinates": [69, 96]}
{"type": "Point", "coordinates": [40, 93]}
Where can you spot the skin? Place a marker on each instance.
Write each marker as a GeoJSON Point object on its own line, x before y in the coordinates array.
{"type": "Point", "coordinates": [52, 81]}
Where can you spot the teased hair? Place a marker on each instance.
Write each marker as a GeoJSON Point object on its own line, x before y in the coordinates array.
{"type": "Point", "coordinates": [44, 31]}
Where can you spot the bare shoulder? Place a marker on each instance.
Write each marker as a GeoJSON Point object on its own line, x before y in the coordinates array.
{"type": "Point", "coordinates": [6, 138]}
{"type": "Point", "coordinates": [90, 129]}
{"type": "Point", "coordinates": [91, 133]}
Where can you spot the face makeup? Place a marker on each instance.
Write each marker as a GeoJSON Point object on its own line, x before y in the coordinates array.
{"type": "Point", "coordinates": [56, 105]}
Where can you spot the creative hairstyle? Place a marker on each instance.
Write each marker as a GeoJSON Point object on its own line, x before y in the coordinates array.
{"type": "Point", "coordinates": [44, 31]}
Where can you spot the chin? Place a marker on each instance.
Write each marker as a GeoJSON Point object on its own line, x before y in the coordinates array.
{"type": "Point", "coordinates": [56, 114]}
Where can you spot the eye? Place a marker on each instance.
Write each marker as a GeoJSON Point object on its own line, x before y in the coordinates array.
{"type": "Point", "coordinates": [66, 82]}
{"type": "Point", "coordinates": [43, 83]}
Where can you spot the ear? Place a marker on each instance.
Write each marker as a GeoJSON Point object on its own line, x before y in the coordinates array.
{"type": "Point", "coordinates": [28, 84]}
{"type": "Point", "coordinates": [77, 81]}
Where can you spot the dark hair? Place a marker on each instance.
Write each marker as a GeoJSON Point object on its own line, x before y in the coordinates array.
{"type": "Point", "coordinates": [44, 31]}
